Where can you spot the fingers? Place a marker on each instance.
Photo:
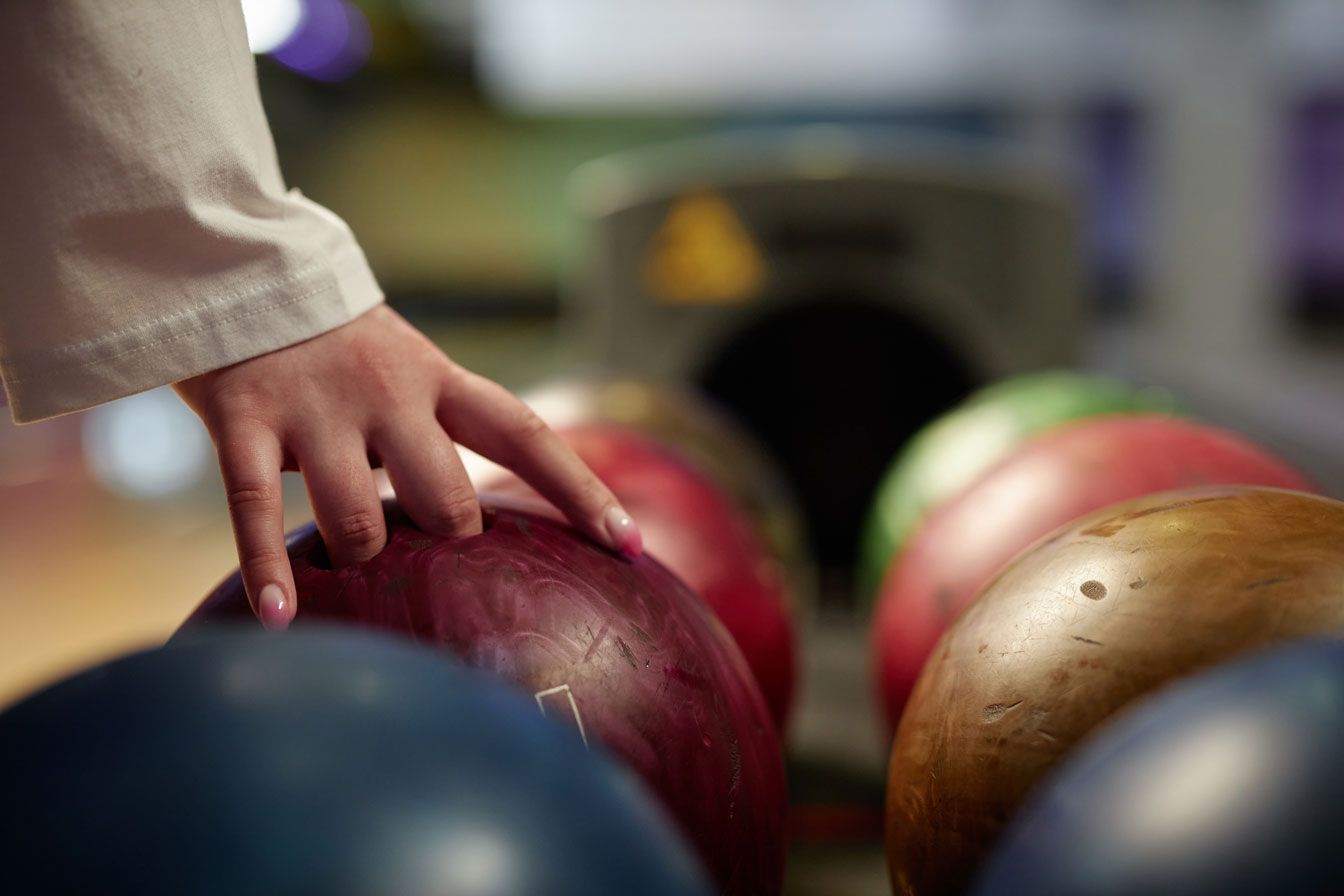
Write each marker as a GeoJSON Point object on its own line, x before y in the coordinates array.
{"type": "Point", "coordinates": [344, 496]}
{"type": "Point", "coordinates": [429, 478]}
{"type": "Point", "coordinates": [250, 462]}
{"type": "Point", "coordinates": [488, 419]}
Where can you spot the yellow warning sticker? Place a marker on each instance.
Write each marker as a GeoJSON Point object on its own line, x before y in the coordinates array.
{"type": "Point", "coordinates": [702, 254]}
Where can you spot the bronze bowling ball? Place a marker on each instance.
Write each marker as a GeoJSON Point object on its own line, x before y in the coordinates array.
{"type": "Point", "coordinates": [1105, 610]}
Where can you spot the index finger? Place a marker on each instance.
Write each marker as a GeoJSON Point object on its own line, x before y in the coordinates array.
{"type": "Point", "coordinates": [490, 420]}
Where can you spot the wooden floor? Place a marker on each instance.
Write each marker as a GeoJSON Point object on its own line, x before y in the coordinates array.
{"type": "Point", "coordinates": [86, 575]}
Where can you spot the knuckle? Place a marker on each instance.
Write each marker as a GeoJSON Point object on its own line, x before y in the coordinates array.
{"type": "Point", "coordinates": [235, 402]}
{"type": "Point", "coordinates": [250, 498]}
{"type": "Point", "coordinates": [458, 380]}
{"type": "Point", "coordinates": [262, 561]}
{"type": "Point", "coordinates": [379, 371]}
{"type": "Point", "coordinates": [395, 404]}
{"type": "Point", "coordinates": [458, 509]}
{"type": "Point", "coordinates": [360, 531]}
{"type": "Point", "coordinates": [529, 427]}
{"type": "Point", "coordinates": [453, 374]}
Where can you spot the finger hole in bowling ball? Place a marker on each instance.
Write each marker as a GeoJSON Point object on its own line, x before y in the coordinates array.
{"type": "Point", "coordinates": [317, 556]}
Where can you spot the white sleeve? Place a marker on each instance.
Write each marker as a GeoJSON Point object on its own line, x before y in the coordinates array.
{"type": "Point", "coordinates": [145, 231]}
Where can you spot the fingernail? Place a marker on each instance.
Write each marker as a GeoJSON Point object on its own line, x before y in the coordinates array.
{"type": "Point", "coordinates": [624, 534]}
{"type": "Point", "coordinates": [274, 607]}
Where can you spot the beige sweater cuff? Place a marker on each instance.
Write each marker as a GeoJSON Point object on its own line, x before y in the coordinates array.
{"type": "Point", "coordinates": [223, 331]}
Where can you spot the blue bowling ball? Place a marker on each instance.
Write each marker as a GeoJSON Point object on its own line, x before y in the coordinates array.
{"type": "Point", "coordinates": [316, 762]}
{"type": "Point", "coordinates": [1230, 783]}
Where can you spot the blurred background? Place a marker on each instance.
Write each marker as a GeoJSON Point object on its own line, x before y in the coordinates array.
{"type": "Point", "coordinates": [836, 218]}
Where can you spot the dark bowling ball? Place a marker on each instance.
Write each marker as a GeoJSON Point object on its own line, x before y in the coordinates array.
{"type": "Point", "coordinates": [1228, 784]}
{"type": "Point", "coordinates": [621, 648]}
{"type": "Point", "coordinates": [1105, 611]}
{"type": "Point", "coordinates": [328, 762]}
{"type": "Point", "coordinates": [697, 531]}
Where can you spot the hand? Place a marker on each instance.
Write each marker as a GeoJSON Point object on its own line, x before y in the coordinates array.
{"type": "Point", "coordinates": [375, 392]}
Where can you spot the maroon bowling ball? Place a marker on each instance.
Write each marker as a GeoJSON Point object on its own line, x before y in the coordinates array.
{"type": "Point", "coordinates": [620, 648]}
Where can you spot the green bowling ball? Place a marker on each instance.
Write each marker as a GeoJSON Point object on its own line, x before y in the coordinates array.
{"type": "Point", "coordinates": [951, 452]}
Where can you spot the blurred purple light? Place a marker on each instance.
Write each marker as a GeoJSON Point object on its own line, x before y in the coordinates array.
{"type": "Point", "coordinates": [331, 43]}
{"type": "Point", "coordinates": [1314, 225]}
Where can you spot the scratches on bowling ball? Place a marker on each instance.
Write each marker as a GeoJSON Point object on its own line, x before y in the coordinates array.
{"type": "Point", "coordinates": [667, 674]}
{"type": "Point", "coordinates": [340, 592]}
{"type": "Point", "coordinates": [1112, 525]}
{"type": "Point", "coordinates": [641, 634]}
{"type": "Point", "coordinates": [1083, 640]}
{"type": "Point", "coordinates": [626, 652]}
{"type": "Point", "coordinates": [597, 640]}
{"type": "Point", "coordinates": [1138, 583]}
{"type": "Point", "coordinates": [735, 785]}
{"type": "Point", "coordinates": [996, 711]}
{"type": "Point", "coordinates": [1093, 590]}
{"type": "Point", "coordinates": [1104, 529]}
{"type": "Point", "coordinates": [1166, 508]}
{"type": "Point", "coordinates": [685, 676]}
{"type": "Point", "coordinates": [1265, 583]}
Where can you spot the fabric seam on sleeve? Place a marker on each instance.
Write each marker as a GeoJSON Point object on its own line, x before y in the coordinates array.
{"type": "Point", "coordinates": [221, 300]}
{"type": "Point", "coordinates": [33, 367]}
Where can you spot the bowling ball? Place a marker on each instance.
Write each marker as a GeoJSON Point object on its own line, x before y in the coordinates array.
{"type": "Point", "coordinates": [1229, 783]}
{"type": "Point", "coordinates": [691, 423]}
{"type": "Point", "coordinates": [1050, 480]}
{"type": "Point", "coordinates": [323, 762]}
{"type": "Point", "coordinates": [695, 530]}
{"type": "Point", "coordinates": [1106, 610]}
{"type": "Point", "coordinates": [950, 453]}
{"type": "Point", "coordinates": [620, 648]}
